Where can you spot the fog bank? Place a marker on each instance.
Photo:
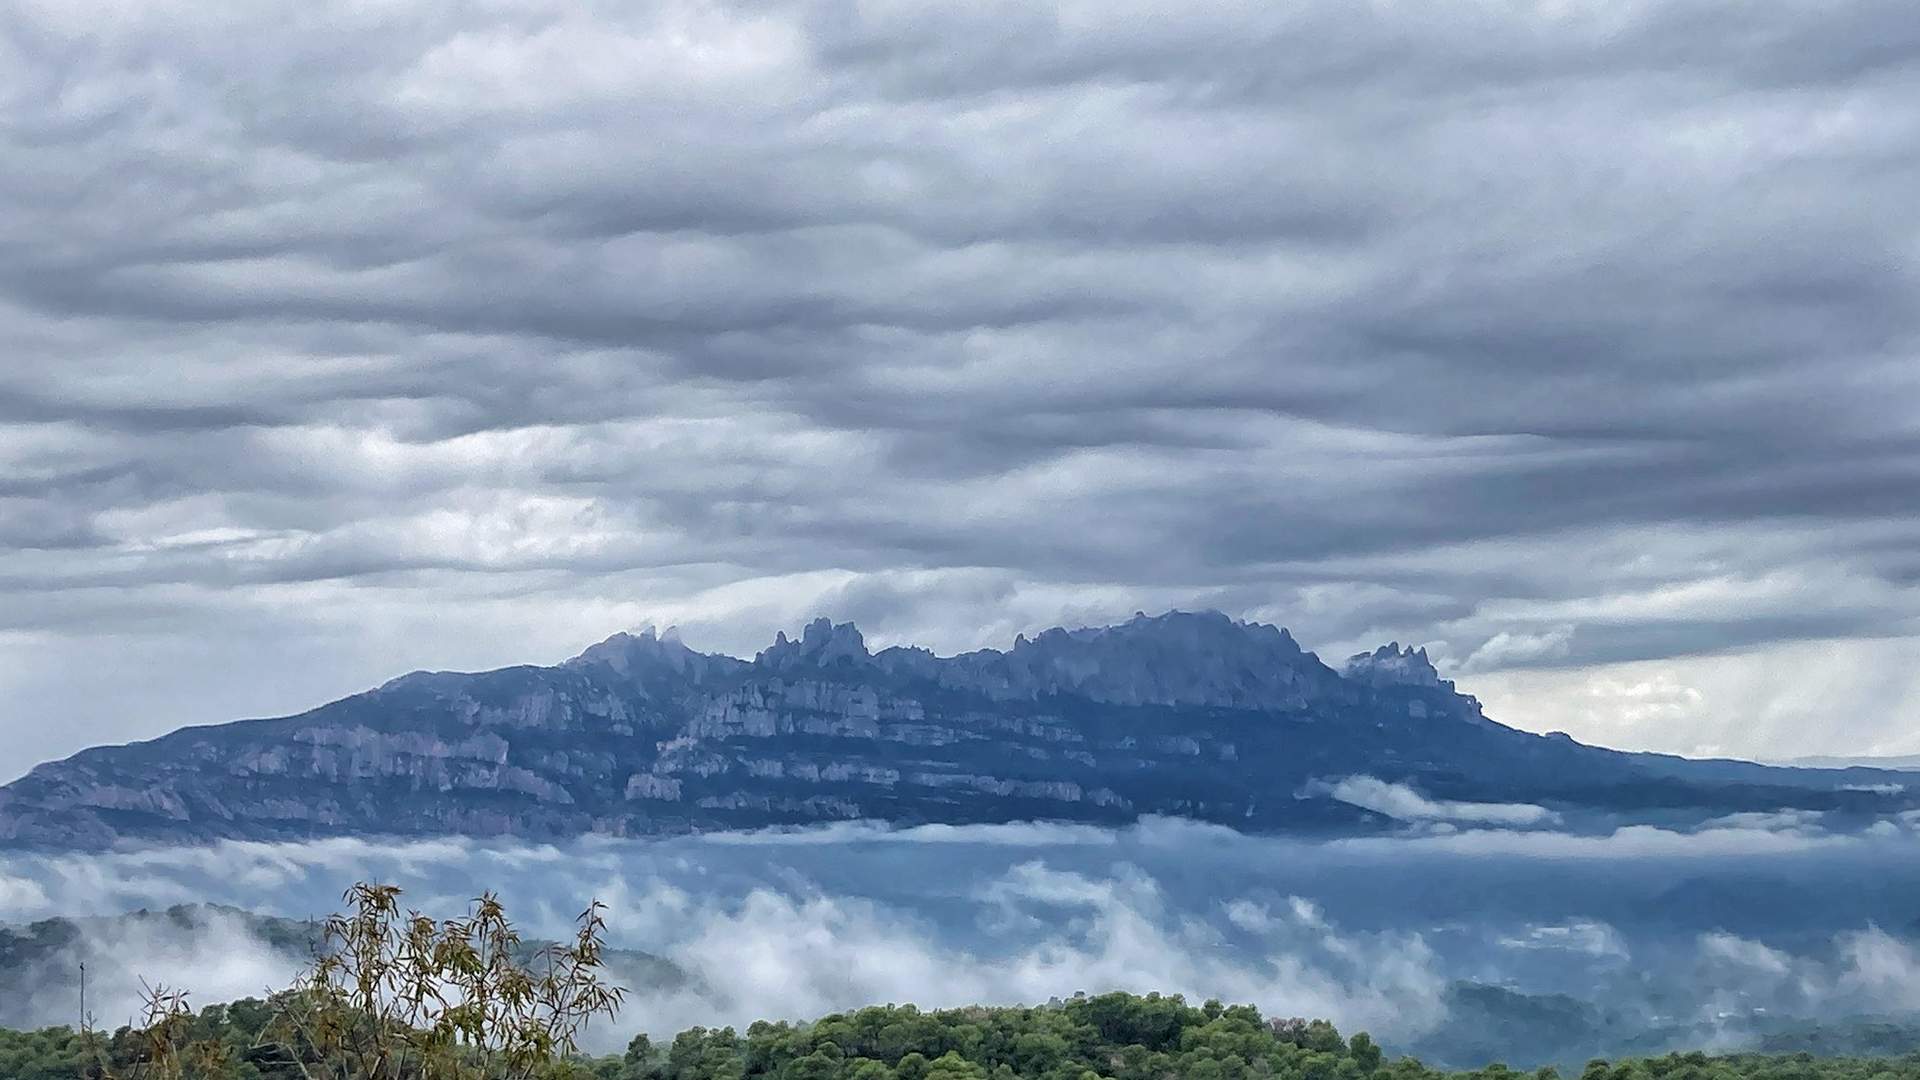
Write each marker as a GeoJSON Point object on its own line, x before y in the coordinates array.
{"type": "Point", "coordinates": [1703, 929]}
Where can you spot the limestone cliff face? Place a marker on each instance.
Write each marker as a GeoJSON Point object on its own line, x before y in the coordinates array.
{"type": "Point", "coordinates": [1187, 714]}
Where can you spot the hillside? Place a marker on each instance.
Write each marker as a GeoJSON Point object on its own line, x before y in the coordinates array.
{"type": "Point", "coordinates": [1194, 715]}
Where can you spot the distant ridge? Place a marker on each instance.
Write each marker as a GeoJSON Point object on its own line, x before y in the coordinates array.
{"type": "Point", "coordinates": [1902, 762]}
{"type": "Point", "coordinates": [1189, 714]}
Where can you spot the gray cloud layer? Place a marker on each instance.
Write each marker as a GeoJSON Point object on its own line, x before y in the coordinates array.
{"type": "Point", "coordinates": [373, 337]}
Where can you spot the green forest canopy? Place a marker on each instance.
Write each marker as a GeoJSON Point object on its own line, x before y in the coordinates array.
{"type": "Point", "coordinates": [1106, 1037]}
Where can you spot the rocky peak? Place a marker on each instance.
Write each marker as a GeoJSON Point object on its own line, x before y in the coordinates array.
{"type": "Point", "coordinates": [1190, 631]}
{"type": "Point", "coordinates": [630, 654]}
{"type": "Point", "coordinates": [1179, 658]}
{"type": "Point", "coordinates": [824, 643]}
{"type": "Point", "coordinates": [655, 663]}
{"type": "Point", "coordinates": [1391, 665]}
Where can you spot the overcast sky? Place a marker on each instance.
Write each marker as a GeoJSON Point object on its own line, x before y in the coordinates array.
{"type": "Point", "coordinates": [1576, 342]}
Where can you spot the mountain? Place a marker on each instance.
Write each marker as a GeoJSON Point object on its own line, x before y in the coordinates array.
{"type": "Point", "coordinates": [1180, 714]}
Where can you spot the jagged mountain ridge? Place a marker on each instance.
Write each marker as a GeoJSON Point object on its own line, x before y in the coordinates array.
{"type": "Point", "coordinates": [1187, 714]}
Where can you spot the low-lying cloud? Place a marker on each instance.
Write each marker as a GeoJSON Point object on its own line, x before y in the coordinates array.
{"type": "Point", "coordinates": [1403, 803]}
{"type": "Point", "coordinates": [1582, 936]}
{"type": "Point", "coordinates": [1372, 932]}
{"type": "Point", "coordinates": [795, 951]}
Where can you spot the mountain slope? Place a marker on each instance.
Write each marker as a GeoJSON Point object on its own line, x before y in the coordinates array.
{"type": "Point", "coordinates": [1188, 714]}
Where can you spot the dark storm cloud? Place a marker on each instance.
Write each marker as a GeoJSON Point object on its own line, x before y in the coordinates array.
{"type": "Point", "coordinates": [406, 335]}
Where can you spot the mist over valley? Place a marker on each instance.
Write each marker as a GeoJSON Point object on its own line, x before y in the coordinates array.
{"type": "Point", "coordinates": [1449, 942]}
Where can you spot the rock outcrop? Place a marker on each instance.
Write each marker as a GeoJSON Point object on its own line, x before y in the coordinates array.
{"type": "Point", "coordinates": [1390, 664]}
